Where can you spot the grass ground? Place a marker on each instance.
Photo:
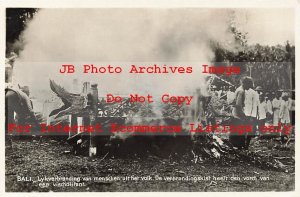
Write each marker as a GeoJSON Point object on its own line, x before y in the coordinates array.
{"type": "Point", "coordinates": [50, 157]}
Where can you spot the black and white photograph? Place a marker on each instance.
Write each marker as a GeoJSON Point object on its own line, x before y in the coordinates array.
{"type": "Point", "coordinates": [148, 99]}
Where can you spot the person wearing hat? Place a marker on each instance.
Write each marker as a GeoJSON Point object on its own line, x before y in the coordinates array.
{"type": "Point", "coordinates": [262, 111]}
{"type": "Point", "coordinates": [259, 90]}
{"type": "Point", "coordinates": [284, 113]}
{"type": "Point", "coordinates": [280, 92]}
{"type": "Point", "coordinates": [238, 112]}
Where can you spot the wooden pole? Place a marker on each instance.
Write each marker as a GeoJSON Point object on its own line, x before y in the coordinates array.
{"type": "Point", "coordinates": [79, 123]}
{"type": "Point", "coordinates": [86, 90]}
{"type": "Point", "coordinates": [86, 119]}
{"type": "Point", "coordinates": [93, 117]}
{"type": "Point", "coordinates": [73, 118]}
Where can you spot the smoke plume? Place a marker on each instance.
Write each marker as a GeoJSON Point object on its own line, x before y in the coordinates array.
{"type": "Point", "coordinates": [132, 36]}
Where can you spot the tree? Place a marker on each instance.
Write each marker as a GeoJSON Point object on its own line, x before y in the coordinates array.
{"type": "Point", "coordinates": [16, 19]}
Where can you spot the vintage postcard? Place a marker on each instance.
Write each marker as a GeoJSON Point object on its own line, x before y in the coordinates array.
{"type": "Point", "coordinates": [150, 98]}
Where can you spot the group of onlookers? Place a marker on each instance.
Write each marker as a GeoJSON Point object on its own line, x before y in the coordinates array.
{"type": "Point", "coordinates": [254, 106]}
{"type": "Point", "coordinates": [271, 107]}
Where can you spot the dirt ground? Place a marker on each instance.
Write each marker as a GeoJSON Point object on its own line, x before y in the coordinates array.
{"type": "Point", "coordinates": [30, 158]}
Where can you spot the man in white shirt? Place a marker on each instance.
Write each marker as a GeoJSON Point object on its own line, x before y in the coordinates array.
{"type": "Point", "coordinates": [269, 106]}
{"type": "Point", "coordinates": [251, 102]}
{"type": "Point", "coordinates": [262, 111]}
{"type": "Point", "coordinates": [284, 114]}
{"type": "Point", "coordinates": [239, 116]}
{"type": "Point", "coordinates": [250, 110]}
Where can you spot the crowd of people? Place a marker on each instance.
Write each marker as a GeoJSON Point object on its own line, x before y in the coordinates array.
{"type": "Point", "coordinates": [256, 106]}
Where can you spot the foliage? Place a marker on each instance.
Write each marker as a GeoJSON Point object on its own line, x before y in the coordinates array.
{"type": "Point", "coordinates": [16, 19]}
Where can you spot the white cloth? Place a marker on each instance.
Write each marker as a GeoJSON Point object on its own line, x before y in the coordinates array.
{"type": "Point", "coordinates": [284, 113]}
{"type": "Point", "coordinates": [251, 103]}
{"type": "Point", "coordinates": [219, 93]}
{"type": "Point", "coordinates": [276, 106]}
{"type": "Point", "coordinates": [262, 110]}
{"type": "Point", "coordinates": [230, 97]}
